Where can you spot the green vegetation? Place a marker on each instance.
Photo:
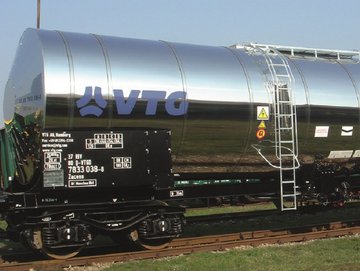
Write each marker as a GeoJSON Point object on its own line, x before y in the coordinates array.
{"type": "Point", "coordinates": [322, 255]}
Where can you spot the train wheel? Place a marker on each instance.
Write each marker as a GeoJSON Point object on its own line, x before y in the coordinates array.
{"type": "Point", "coordinates": [61, 253]}
{"type": "Point", "coordinates": [149, 244]}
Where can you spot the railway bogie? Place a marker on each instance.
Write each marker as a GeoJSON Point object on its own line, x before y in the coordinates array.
{"type": "Point", "coordinates": [61, 232]}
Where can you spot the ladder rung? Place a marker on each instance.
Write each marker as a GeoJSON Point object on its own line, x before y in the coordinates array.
{"type": "Point", "coordinates": [285, 128]}
{"type": "Point", "coordinates": [284, 88]}
{"type": "Point", "coordinates": [288, 168]}
{"type": "Point", "coordinates": [285, 115]}
{"type": "Point", "coordinates": [288, 208]}
{"type": "Point", "coordinates": [289, 196]}
{"type": "Point", "coordinates": [295, 186]}
{"type": "Point", "coordinates": [283, 75]}
{"type": "Point", "coordinates": [287, 182]}
{"type": "Point", "coordinates": [286, 141]}
{"type": "Point", "coordinates": [287, 155]}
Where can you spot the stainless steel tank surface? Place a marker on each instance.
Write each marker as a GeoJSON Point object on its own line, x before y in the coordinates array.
{"type": "Point", "coordinates": [218, 102]}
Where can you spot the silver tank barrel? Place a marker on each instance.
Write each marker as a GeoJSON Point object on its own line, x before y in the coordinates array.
{"type": "Point", "coordinates": [208, 96]}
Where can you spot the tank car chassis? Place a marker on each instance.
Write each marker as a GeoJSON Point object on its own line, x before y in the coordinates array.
{"type": "Point", "coordinates": [120, 183]}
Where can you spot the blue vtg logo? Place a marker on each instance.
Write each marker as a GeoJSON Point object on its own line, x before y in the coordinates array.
{"type": "Point", "coordinates": [175, 102]}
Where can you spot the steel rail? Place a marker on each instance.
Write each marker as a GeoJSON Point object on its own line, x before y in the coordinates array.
{"type": "Point", "coordinates": [186, 246]}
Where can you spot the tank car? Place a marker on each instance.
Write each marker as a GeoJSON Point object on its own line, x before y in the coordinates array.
{"type": "Point", "coordinates": [102, 133]}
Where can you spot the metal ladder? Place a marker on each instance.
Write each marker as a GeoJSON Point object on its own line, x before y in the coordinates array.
{"type": "Point", "coordinates": [285, 126]}
{"type": "Point", "coordinates": [286, 141]}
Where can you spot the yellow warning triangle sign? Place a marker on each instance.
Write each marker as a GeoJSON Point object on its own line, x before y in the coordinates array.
{"type": "Point", "coordinates": [263, 115]}
{"type": "Point", "coordinates": [262, 125]}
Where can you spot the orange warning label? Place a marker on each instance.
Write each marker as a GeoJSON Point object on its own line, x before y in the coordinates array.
{"type": "Point", "coordinates": [260, 134]}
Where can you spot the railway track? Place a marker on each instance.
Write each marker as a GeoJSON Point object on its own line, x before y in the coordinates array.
{"type": "Point", "coordinates": [198, 244]}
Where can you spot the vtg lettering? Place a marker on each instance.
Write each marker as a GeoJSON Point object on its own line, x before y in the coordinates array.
{"type": "Point", "coordinates": [152, 98]}
{"type": "Point", "coordinates": [175, 102]}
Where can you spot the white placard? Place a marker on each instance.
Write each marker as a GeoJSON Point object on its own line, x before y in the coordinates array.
{"type": "Point", "coordinates": [340, 154]}
{"type": "Point", "coordinates": [347, 131]}
{"type": "Point", "coordinates": [321, 131]}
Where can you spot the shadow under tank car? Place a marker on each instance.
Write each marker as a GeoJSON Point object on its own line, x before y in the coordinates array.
{"type": "Point", "coordinates": [102, 134]}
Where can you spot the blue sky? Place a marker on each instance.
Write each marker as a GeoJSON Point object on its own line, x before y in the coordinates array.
{"type": "Point", "coordinates": [332, 24]}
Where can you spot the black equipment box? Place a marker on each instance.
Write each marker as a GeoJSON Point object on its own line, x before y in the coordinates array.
{"type": "Point", "coordinates": [106, 158]}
